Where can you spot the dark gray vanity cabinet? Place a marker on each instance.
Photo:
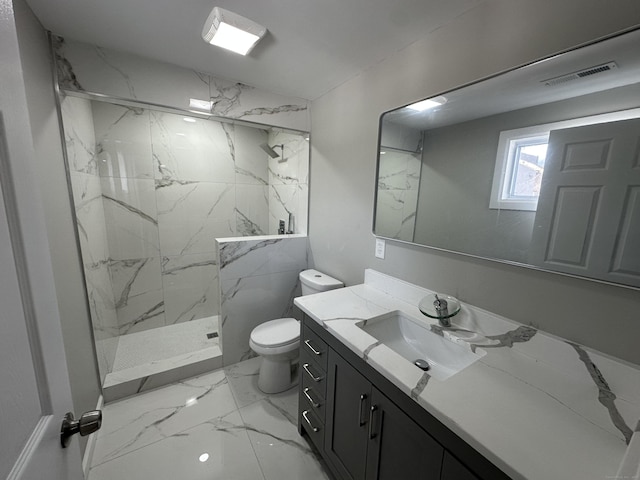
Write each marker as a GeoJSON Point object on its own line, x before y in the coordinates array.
{"type": "Point", "coordinates": [452, 469]}
{"type": "Point", "coordinates": [365, 428]}
{"type": "Point", "coordinates": [367, 437]}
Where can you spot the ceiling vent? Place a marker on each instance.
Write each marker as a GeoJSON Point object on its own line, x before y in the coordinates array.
{"type": "Point", "coordinates": [587, 72]}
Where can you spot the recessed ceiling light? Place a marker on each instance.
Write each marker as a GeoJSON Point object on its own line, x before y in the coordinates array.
{"type": "Point", "coordinates": [232, 31]}
{"type": "Point", "coordinates": [189, 119]}
{"type": "Point", "coordinates": [427, 104]}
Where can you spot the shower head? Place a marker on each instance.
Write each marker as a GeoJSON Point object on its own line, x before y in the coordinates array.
{"type": "Point", "coordinates": [270, 150]}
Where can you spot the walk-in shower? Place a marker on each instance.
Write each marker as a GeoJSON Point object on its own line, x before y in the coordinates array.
{"type": "Point", "coordinates": [152, 191]}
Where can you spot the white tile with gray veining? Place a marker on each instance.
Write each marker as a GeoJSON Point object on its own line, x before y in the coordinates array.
{"type": "Point", "coordinates": [292, 167]}
{"type": "Point", "coordinates": [237, 100]}
{"type": "Point", "coordinates": [79, 134]}
{"type": "Point", "coordinates": [302, 220]}
{"type": "Point", "coordinates": [149, 376]}
{"type": "Point", "coordinates": [250, 301]}
{"type": "Point", "coordinates": [131, 423]}
{"type": "Point", "coordinates": [251, 161]}
{"type": "Point", "coordinates": [285, 200]}
{"type": "Point", "coordinates": [131, 217]}
{"type": "Point", "coordinates": [223, 439]}
{"type": "Point", "coordinates": [399, 170]}
{"type": "Point", "coordinates": [163, 433]}
{"type": "Point", "coordinates": [123, 141]}
{"type": "Point", "coordinates": [397, 196]}
{"type": "Point", "coordinates": [243, 380]}
{"type": "Point", "coordinates": [281, 451]}
{"type": "Point", "coordinates": [90, 217]}
{"type": "Point", "coordinates": [137, 289]}
{"type": "Point", "coordinates": [190, 149]}
{"type": "Point", "coordinates": [105, 354]}
{"type": "Point", "coordinates": [573, 407]}
{"type": "Point", "coordinates": [192, 214]}
{"type": "Point", "coordinates": [240, 258]}
{"type": "Point", "coordinates": [252, 210]}
{"type": "Point", "coordinates": [190, 287]}
{"type": "Point", "coordinates": [89, 68]}
{"type": "Point", "coordinates": [101, 300]}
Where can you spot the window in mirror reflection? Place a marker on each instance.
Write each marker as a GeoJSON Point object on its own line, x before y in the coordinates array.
{"type": "Point", "coordinates": [528, 168]}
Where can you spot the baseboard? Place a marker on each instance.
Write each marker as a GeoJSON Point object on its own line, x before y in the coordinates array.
{"type": "Point", "coordinates": [91, 444]}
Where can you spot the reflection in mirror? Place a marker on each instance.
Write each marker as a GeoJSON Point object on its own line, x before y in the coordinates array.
{"type": "Point", "coordinates": [539, 166]}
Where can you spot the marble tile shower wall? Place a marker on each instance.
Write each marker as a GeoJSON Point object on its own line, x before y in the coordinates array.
{"type": "Point", "coordinates": [166, 188]}
{"type": "Point", "coordinates": [258, 281]}
{"type": "Point", "coordinates": [89, 68]}
{"type": "Point", "coordinates": [397, 202]}
{"type": "Point", "coordinates": [90, 214]}
{"type": "Point", "coordinates": [289, 181]}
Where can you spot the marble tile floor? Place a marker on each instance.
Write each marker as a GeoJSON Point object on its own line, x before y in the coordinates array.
{"type": "Point", "coordinates": [214, 426]}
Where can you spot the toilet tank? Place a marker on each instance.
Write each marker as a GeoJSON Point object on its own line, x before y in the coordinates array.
{"type": "Point", "coordinates": [314, 281]}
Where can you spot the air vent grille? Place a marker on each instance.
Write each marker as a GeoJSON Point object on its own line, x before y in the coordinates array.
{"type": "Point", "coordinates": [587, 72]}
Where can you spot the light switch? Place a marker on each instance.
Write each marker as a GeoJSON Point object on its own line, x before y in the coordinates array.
{"type": "Point", "coordinates": [380, 244]}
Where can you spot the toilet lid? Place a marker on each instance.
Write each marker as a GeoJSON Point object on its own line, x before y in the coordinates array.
{"type": "Point", "coordinates": [276, 333]}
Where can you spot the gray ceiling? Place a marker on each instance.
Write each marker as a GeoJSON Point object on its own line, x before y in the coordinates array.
{"type": "Point", "coordinates": [311, 47]}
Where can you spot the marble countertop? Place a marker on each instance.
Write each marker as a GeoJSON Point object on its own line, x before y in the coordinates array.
{"type": "Point", "coordinates": [537, 406]}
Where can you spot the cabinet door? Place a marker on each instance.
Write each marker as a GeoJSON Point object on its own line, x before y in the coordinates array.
{"type": "Point", "coordinates": [398, 447]}
{"type": "Point", "coordinates": [452, 469]}
{"type": "Point", "coordinates": [348, 400]}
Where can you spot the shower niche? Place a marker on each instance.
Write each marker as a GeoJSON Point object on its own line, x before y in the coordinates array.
{"type": "Point", "coordinates": [152, 191]}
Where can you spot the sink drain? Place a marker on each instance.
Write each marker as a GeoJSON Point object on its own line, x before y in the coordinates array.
{"type": "Point", "coordinates": [422, 364]}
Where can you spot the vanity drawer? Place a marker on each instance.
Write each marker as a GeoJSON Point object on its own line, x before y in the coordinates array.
{"type": "Point", "coordinates": [312, 398]}
{"type": "Point", "coordinates": [314, 348]}
{"type": "Point", "coordinates": [313, 427]}
{"type": "Point", "coordinates": [313, 376]}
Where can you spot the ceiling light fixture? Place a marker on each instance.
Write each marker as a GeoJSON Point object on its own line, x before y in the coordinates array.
{"type": "Point", "coordinates": [232, 31]}
{"type": "Point", "coordinates": [427, 104]}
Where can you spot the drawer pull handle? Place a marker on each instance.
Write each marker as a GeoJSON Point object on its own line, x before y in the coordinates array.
{"type": "Point", "coordinates": [313, 403]}
{"type": "Point", "coordinates": [315, 352]}
{"type": "Point", "coordinates": [313, 377]}
{"type": "Point", "coordinates": [372, 433]}
{"type": "Point", "coordinates": [361, 421]}
{"type": "Point", "coordinates": [305, 416]}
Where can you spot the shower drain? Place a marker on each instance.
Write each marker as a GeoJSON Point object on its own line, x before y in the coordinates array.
{"type": "Point", "coordinates": [212, 335]}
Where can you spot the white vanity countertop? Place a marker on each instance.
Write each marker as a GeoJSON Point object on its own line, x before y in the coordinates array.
{"type": "Point", "coordinates": [535, 405]}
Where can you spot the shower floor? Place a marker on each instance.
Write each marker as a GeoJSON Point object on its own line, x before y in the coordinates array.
{"type": "Point", "coordinates": [152, 358]}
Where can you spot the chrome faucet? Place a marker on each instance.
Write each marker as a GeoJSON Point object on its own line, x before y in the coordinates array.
{"type": "Point", "coordinates": [442, 311]}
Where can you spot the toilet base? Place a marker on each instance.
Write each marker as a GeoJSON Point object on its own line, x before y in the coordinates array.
{"type": "Point", "coordinates": [278, 374]}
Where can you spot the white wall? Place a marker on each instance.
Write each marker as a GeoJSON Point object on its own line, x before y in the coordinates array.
{"type": "Point", "coordinates": [497, 35]}
{"type": "Point", "coordinates": [48, 168]}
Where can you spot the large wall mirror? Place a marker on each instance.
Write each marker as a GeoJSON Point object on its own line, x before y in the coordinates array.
{"type": "Point", "coordinates": [539, 166]}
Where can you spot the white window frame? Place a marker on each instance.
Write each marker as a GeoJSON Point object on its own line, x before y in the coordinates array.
{"type": "Point", "coordinates": [508, 143]}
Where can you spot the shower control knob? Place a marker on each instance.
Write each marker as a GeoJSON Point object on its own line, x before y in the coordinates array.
{"type": "Point", "coordinates": [88, 423]}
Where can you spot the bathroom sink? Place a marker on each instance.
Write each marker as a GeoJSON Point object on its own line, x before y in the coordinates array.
{"type": "Point", "coordinates": [414, 340]}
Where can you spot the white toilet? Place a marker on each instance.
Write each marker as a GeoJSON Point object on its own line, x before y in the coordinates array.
{"type": "Point", "coordinates": [277, 341]}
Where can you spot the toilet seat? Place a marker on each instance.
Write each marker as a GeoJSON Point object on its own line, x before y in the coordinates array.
{"type": "Point", "coordinates": [276, 333]}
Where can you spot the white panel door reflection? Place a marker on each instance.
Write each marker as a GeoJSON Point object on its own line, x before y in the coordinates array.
{"type": "Point", "coordinates": [588, 216]}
